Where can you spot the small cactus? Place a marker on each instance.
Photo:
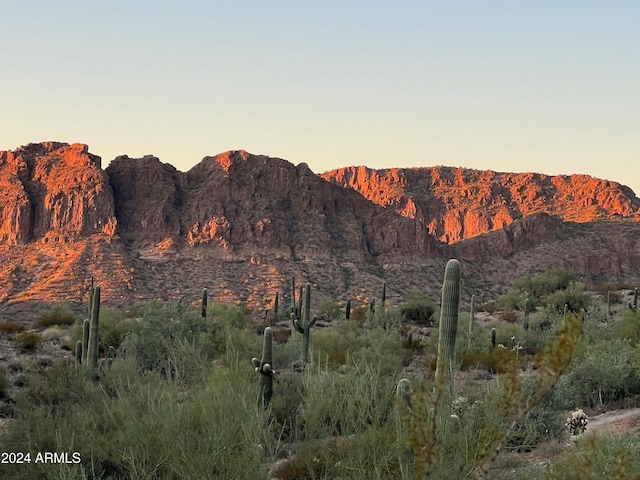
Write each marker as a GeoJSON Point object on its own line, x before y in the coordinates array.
{"type": "Point", "coordinates": [264, 368]}
{"type": "Point", "coordinates": [407, 459]}
{"type": "Point", "coordinates": [347, 314]}
{"type": "Point", "coordinates": [78, 352]}
{"type": "Point", "coordinates": [493, 338]}
{"type": "Point", "coordinates": [205, 296]}
{"type": "Point", "coordinates": [384, 294]}
{"type": "Point", "coordinates": [527, 308]}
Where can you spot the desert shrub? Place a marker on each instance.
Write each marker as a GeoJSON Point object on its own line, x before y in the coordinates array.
{"type": "Point", "coordinates": [147, 427]}
{"type": "Point", "coordinates": [607, 372]}
{"type": "Point", "coordinates": [113, 326]}
{"type": "Point", "coordinates": [537, 287]}
{"type": "Point", "coordinates": [490, 307]}
{"type": "Point", "coordinates": [628, 328]}
{"type": "Point", "coordinates": [168, 331]}
{"type": "Point", "coordinates": [57, 314]}
{"type": "Point", "coordinates": [515, 299]}
{"type": "Point", "coordinates": [509, 316]}
{"type": "Point", "coordinates": [417, 307]}
{"type": "Point", "coordinates": [228, 333]}
{"type": "Point", "coordinates": [349, 345]}
{"type": "Point", "coordinates": [11, 327]}
{"type": "Point", "coordinates": [330, 309]}
{"type": "Point", "coordinates": [537, 425]}
{"type": "Point", "coordinates": [608, 455]}
{"type": "Point", "coordinates": [28, 341]}
{"type": "Point", "coordinates": [363, 398]}
{"type": "Point", "coordinates": [573, 296]}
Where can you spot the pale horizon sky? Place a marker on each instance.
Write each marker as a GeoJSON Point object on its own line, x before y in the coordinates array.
{"type": "Point", "coordinates": [549, 87]}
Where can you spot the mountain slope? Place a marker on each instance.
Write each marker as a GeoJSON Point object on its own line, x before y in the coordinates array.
{"type": "Point", "coordinates": [458, 203]}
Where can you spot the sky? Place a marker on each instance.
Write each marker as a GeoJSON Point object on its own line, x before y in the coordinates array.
{"type": "Point", "coordinates": [544, 86]}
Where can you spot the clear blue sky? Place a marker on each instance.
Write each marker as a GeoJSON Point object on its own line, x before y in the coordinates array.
{"type": "Point", "coordinates": [543, 86]}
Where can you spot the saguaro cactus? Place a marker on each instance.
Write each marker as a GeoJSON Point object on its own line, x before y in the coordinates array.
{"type": "Point", "coordinates": [86, 325]}
{"type": "Point", "coordinates": [347, 314]}
{"type": "Point", "coordinates": [384, 294]}
{"type": "Point", "coordinates": [303, 325]}
{"type": "Point", "coordinates": [92, 349]}
{"type": "Point", "coordinates": [205, 298]}
{"type": "Point", "coordinates": [448, 322]}
{"type": "Point", "coordinates": [407, 460]}
{"type": "Point", "coordinates": [78, 352]}
{"type": "Point", "coordinates": [493, 337]}
{"type": "Point", "coordinates": [263, 367]}
{"type": "Point", "coordinates": [527, 308]}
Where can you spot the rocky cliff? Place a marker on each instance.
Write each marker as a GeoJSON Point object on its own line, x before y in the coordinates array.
{"type": "Point", "coordinates": [458, 203]}
{"type": "Point", "coordinates": [242, 224]}
{"type": "Point", "coordinates": [53, 189]}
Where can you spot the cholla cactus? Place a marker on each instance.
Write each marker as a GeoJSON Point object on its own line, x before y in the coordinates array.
{"type": "Point", "coordinates": [577, 423]}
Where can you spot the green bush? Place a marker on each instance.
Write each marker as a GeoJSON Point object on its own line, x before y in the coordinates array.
{"type": "Point", "coordinates": [57, 314]}
{"type": "Point", "coordinates": [606, 373]}
{"type": "Point", "coordinates": [418, 308]}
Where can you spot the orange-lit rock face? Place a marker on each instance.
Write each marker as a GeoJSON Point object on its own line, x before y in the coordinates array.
{"type": "Point", "coordinates": [53, 186]}
{"type": "Point", "coordinates": [237, 200]}
{"type": "Point", "coordinates": [457, 203]}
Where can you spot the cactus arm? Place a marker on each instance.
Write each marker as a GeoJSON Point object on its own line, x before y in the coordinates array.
{"type": "Point", "coordinates": [296, 323]}
{"type": "Point", "coordinates": [313, 321]}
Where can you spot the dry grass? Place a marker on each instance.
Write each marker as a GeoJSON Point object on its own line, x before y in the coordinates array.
{"type": "Point", "coordinates": [11, 327]}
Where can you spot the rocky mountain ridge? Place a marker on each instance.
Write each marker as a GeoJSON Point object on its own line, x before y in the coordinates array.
{"type": "Point", "coordinates": [459, 203]}
{"type": "Point", "coordinates": [242, 224]}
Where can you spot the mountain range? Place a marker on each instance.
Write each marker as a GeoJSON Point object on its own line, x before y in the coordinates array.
{"type": "Point", "coordinates": [241, 225]}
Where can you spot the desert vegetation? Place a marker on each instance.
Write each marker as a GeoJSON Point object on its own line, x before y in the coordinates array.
{"type": "Point", "coordinates": [448, 388]}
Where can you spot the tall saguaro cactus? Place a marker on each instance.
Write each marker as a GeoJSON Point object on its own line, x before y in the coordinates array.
{"type": "Point", "coordinates": [264, 368]}
{"type": "Point", "coordinates": [92, 349]}
{"type": "Point", "coordinates": [303, 325]}
{"type": "Point", "coordinates": [347, 313]}
{"type": "Point", "coordinates": [448, 322]}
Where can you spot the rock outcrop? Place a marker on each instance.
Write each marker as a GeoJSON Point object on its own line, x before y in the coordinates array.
{"type": "Point", "coordinates": [53, 190]}
{"type": "Point", "coordinates": [458, 203]}
{"type": "Point", "coordinates": [239, 202]}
